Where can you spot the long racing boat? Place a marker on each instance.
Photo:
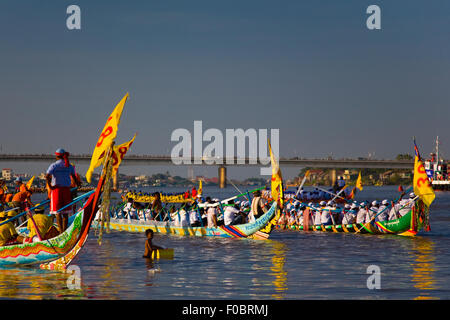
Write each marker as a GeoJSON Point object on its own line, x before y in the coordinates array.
{"type": "Point", "coordinates": [166, 227]}
{"type": "Point", "coordinates": [408, 225]}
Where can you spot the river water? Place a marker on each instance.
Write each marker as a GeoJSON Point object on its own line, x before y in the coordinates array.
{"type": "Point", "coordinates": [290, 265]}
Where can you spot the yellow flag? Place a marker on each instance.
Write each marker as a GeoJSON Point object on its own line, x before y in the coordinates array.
{"type": "Point", "coordinates": [359, 182]}
{"type": "Point", "coordinates": [277, 179]}
{"type": "Point", "coordinates": [119, 152]}
{"type": "Point", "coordinates": [106, 138]}
{"type": "Point", "coordinates": [421, 183]}
{"type": "Point", "coordinates": [30, 182]}
{"type": "Point", "coordinates": [307, 173]}
{"type": "Point", "coordinates": [200, 187]}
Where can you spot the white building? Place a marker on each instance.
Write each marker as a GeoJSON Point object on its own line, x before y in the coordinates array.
{"type": "Point", "coordinates": [7, 174]}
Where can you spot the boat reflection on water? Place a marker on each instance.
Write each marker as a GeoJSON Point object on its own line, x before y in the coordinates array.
{"type": "Point", "coordinates": [424, 270]}
{"type": "Point", "coordinates": [30, 283]}
{"type": "Point", "coordinates": [278, 260]}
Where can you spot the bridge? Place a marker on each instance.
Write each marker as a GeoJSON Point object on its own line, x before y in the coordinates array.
{"type": "Point", "coordinates": [222, 163]}
{"type": "Point", "coordinates": [136, 160]}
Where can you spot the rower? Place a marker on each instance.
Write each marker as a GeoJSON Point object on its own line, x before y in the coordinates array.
{"type": "Point", "coordinates": [20, 198]}
{"type": "Point", "coordinates": [325, 217]}
{"type": "Point", "coordinates": [382, 214]}
{"type": "Point", "coordinates": [402, 207]}
{"type": "Point", "coordinates": [372, 211]}
{"type": "Point", "coordinates": [350, 216]}
{"type": "Point", "coordinates": [194, 218]}
{"type": "Point", "coordinates": [8, 232]}
{"type": "Point", "coordinates": [181, 217]}
{"type": "Point", "coordinates": [362, 212]}
{"type": "Point", "coordinates": [3, 191]}
{"type": "Point", "coordinates": [318, 213]}
{"type": "Point", "coordinates": [292, 218]}
{"type": "Point", "coordinates": [157, 204]}
{"type": "Point", "coordinates": [211, 214]}
{"type": "Point", "coordinates": [43, 223]}
{"type": "Point", "coordinates": [20, 186]}
{"type": "Point", "coordinates": [231, 215]}
{"type": "Point", "coordinates": [257, 207]}
{"type": "Point", "coordinates": [127, 208]}
{"type": "Point", "coordinates": [194, 192]}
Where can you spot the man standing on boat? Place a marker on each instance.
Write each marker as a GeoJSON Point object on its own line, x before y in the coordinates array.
{"type": "Point", "coordinates": [257, 207]}
{"type": "Point", "coordinates": [59, 181]}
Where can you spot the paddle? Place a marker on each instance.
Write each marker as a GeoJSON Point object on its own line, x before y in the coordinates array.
{"type": "Point", "coordinates": [45, 202]}
{"type": "Point", "coordinates": [29, 214]}
{"type": "Point", "coordinates": [303, 182]}
{"type": "Point", "coordinates": [333, 194]}
{"type": "Point", "coordinates": [201, 205]}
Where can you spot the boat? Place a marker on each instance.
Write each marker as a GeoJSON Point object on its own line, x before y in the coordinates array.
{"type": "Point", "coordinates": [408, 225]}
{"type": "Point", "coordinates": [437, 171]}
{"type": "Point", "coordinates": [166, 227]}
{"type": "Point", "coordinates": [57, 252]}
{"type": "Point", "coordinates": [167, 253]}
{"type": "Point", "coordinates": [291, 195]}
{"type": "Point", "coordinates": [149, 198]}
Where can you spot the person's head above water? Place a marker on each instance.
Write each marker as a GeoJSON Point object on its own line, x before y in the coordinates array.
{"type": "Point", "coordinates": [149, 233]}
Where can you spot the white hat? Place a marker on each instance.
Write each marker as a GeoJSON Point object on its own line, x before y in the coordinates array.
{"type": "Point", "coordinates": [412, 195]}
{"type": "Point", "coordinates": [347, 206]}
{"type": "Point", "coordinates": [374, 202]}
{"type": "Point", "coordinates": [362, 204]}
{"type": "Point", "coordinates": [384, 202]}
{"type": "Point", "coordinates": [353, 206]}
{"type": "Point", "coordinates": [322, 203]}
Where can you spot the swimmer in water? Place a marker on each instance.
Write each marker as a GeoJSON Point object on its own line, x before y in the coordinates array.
{"type": "Point", "coordinates": [149, 246]}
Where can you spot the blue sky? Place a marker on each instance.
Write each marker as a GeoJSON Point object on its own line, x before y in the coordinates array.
{"type": "Point", "coordinates": [309, 68]}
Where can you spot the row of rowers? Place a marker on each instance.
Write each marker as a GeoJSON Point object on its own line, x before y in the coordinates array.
{"type": "Point", "coordinates": [21, 195]}
{"type": "Point", "coordinates": [328, 212]}
{"type": "Point", "coordinates": [209, 213]}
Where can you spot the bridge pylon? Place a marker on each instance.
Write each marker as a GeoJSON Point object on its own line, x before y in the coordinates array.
{"type": "Point", "coordinates": [222, 177]}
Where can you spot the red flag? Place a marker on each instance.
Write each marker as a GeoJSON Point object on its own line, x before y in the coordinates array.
{"type": "Point", "coordinates": [306, 219]}
{"type": "Point", "coordinates": [400, 188]}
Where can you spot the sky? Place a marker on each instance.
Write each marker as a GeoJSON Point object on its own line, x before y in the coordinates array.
{"type": "Point", "coordinates": [311, 69]}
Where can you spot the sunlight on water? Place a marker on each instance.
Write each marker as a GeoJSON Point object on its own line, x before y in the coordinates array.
{"type": "Point", "coordinates": [289, 265]}
{"type": "Point", "coordinates": [423, 268]}
{"type": "Point", "coordinates": [278, 261]}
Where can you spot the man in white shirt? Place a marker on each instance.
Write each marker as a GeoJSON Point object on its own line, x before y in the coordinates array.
{"type": "Point", "coordinates": [372, 211]}
{"type": "Point", "coordinates": [194, 218]}
{"type": "Point", "coordinates": [402, 207]}
{"type": "Point", "coordinates": [318, 216]}
{"type": "Point", "coordinates": [350, 216]}
{"type": "Point", "coordinates": [127, 208]}
{"type": "Point", "coordinates": [382, 211]}
{"type": "Point", "coordinates": [231, 215]}
{"type": "Point", "coordinates": [211, 214]}
{"type": "Point", "coordinates": [361, 216]}
{"type": "Point", "coordinates": [325, 218]}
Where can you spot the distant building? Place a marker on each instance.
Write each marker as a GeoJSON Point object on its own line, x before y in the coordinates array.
{"type": "Point", "coordinates": [7, 174]}
{"type": "Point", "coordinates": [21, 175]}
{"type": "Point", "coordinates": [141, 178]}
